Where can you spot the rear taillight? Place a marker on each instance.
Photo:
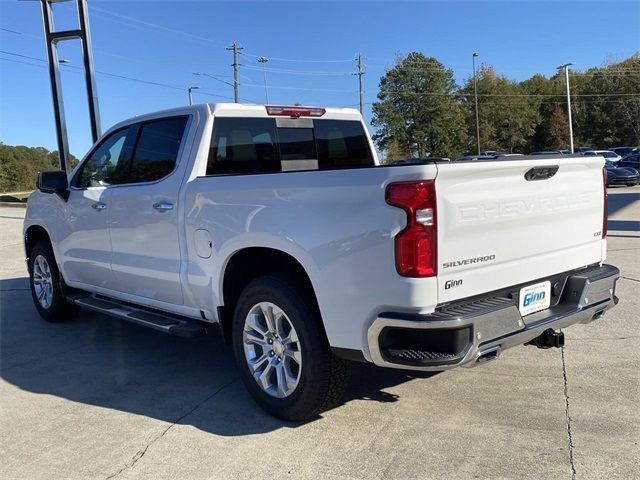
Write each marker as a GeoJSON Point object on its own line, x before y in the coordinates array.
{"type": "Point", "coordinates": [416, 245]}
{"type": "Point", "coordinates": [604, 203]}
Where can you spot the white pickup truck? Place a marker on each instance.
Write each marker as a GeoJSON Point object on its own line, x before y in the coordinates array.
{"type": "Point", "coordinates": [279, 225]}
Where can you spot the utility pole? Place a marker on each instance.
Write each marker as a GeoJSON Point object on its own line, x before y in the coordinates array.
{"type": "Point", "coordinates": [263, 61]}
{"type": "Point", "coordinates": [475, 91]}
{"type": "Point", "coordinates": [236, 48]}
{"type": "Point", "coordinates": [566, 76]}
{"type": "Point", "coordinates": [359, 73]}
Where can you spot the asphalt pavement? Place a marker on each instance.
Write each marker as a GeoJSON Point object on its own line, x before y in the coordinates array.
{"type": "Point", "coordinates": [99, 398]}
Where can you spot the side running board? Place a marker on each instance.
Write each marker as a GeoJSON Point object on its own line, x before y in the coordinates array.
{"type": "Point", "coordinates": [175, 325]}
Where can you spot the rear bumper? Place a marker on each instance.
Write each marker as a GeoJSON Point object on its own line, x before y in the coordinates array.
{"type": "Point", "coordinates": [471, 332]}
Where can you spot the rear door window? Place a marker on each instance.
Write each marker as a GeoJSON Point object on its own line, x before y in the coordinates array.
{"type": "Point", "coordinates": [156, 151]}
{"type": "Point", "coordinates": [243, 145]}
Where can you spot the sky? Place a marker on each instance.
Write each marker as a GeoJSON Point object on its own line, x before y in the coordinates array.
{"type": "Point", "coordinates": [311, 47]}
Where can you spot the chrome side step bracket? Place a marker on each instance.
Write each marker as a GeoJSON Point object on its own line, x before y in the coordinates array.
{"type": "Point", "coordinates": [175, 325]}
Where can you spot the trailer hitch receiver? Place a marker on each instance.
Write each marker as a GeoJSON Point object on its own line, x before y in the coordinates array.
{"type": "Point", "coordinates": [550, 338]}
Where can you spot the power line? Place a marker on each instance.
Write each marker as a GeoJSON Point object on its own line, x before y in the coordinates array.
{"type": "Point", "coordinates": [10, 31]}
{"type": "Point", "coordinates": [102, 73]}
{"type": "Point", "coordinates": [24, 63]}
{"type": "Point", "coordinates": [151, 25]}
{"type": "Point", "coordinates": [558, 102]}
{"type": "Point", "coordinates": [104, 52]}
{"type": "Point", "coordinates": [524, 95]}
{"type": "Point", "coordinates": [399, 92]}
{"type": "Point", "coordinates": [280, 59]}
{"type": "Point", "coordinates": [114, 75]}
{"type": "Point", "coordinates": [214, 77]}
{"type": "Point", "coordinates": [285, 87]}
{"type": "Point", "coordinates": [298, 72]}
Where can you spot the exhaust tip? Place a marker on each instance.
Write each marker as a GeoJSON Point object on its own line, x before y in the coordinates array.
{"type": "Point", "coordinates": [488, 355]}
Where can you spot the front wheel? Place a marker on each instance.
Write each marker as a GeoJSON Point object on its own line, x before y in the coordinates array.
{"type": "Point", "coordinates": [45, 281]}
{"type": "Point", "coordinates": [282, 352]}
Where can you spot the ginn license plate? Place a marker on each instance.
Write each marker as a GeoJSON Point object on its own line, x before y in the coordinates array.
{"type": "Point", "coordinates": [535, 298]}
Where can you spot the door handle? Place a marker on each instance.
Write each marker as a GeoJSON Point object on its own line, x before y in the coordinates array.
{"type": "Point", "coordinates": [163, 206]}
{"type": "Point", "coordinates": [99, 206]}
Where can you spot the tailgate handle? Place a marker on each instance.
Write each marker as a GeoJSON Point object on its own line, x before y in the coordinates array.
{"type": "Point", "coordinates": [540, 173]}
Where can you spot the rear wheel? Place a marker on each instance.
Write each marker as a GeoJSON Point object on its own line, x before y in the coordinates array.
{"type": "Point", "coordinates": [282, 353]}
{"type": "Point", "coordinates": [46, 289]}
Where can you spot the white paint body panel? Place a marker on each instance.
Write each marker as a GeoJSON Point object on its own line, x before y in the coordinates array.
{"type": "Point", "coordinates": [83, 237]}
{"type": "Point", "coordinates": [335, 223]}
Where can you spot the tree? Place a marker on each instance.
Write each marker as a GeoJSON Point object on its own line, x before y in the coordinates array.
{"type": "Point", "coordinates": [607, 104]}
{"type": "Point", "coordinates": [556, 129]}
{"type": "Point", "coordinates": [19, 166]}
{"type": "Point", "coordinates": [416, 111]}
{"type": "Point", "coordinates": [547, 98]}
{"type": "Point", "coordinates": [507, 118]}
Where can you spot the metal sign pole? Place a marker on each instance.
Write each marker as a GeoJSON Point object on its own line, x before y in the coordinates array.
{"type": "Point", "coordinates": [52, 38]}
{"type": "Point", "coordinates": [89, 74]}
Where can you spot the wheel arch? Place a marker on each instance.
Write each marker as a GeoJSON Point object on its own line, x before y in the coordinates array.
{"type": "Point", "coordinates": [250, 263]}
{"type": "Point", "coordinates": [32, 235]}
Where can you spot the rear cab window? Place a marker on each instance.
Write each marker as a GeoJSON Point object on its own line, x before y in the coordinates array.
{"type": "Point", "coordinates": [264, 145]}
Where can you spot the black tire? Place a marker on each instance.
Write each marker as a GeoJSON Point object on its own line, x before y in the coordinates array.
{"type": "Point", "coordinates": [323, 377]}
{"type": "Point", "coordinates": [58, 309]}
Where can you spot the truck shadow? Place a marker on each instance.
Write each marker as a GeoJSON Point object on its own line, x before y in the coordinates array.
{"type": "Point", "coordinates": [106, 362]}
{"type": "Point", "coordinates": [617, 201]}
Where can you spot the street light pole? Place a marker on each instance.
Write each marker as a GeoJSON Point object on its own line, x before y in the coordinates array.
{"type": "Point", "coordinates": [190, 89]}
{"type": "Point", "coordinates": [263, 61]}
{"type": "Point", "coordinates": [475, 92]}
{"type": "Point", "coordinates": [566, 77]}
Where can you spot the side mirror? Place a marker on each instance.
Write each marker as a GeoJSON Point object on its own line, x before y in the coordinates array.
{"type": "Point", "coordinates": [53, 182]}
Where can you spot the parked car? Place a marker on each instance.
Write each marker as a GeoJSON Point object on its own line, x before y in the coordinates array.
{"type": "Point", "coordinates": [278, 225]}
{"type": "Point", "coordinates": [609, 155]}
{"type": "Point", "coordinates": [630, 161]}
{"type": "Point", "coordinates": [622, 151]}
{"type": "Point", "coordinates": [474, 157]}
{"type": "Point", "coordinates": [582, 149]}
{"type": "Point", "coordinates": [589, 153]}
{"type": "Point", "coordinates": [617, 175]}
{"type": "Point", "coordinates": [565, 152]}
{"type": "Point", "coordinates": [547, 152]}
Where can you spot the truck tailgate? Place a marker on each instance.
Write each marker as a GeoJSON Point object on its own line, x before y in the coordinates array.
{"type": "Point", "coordinates": [497, 229]}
